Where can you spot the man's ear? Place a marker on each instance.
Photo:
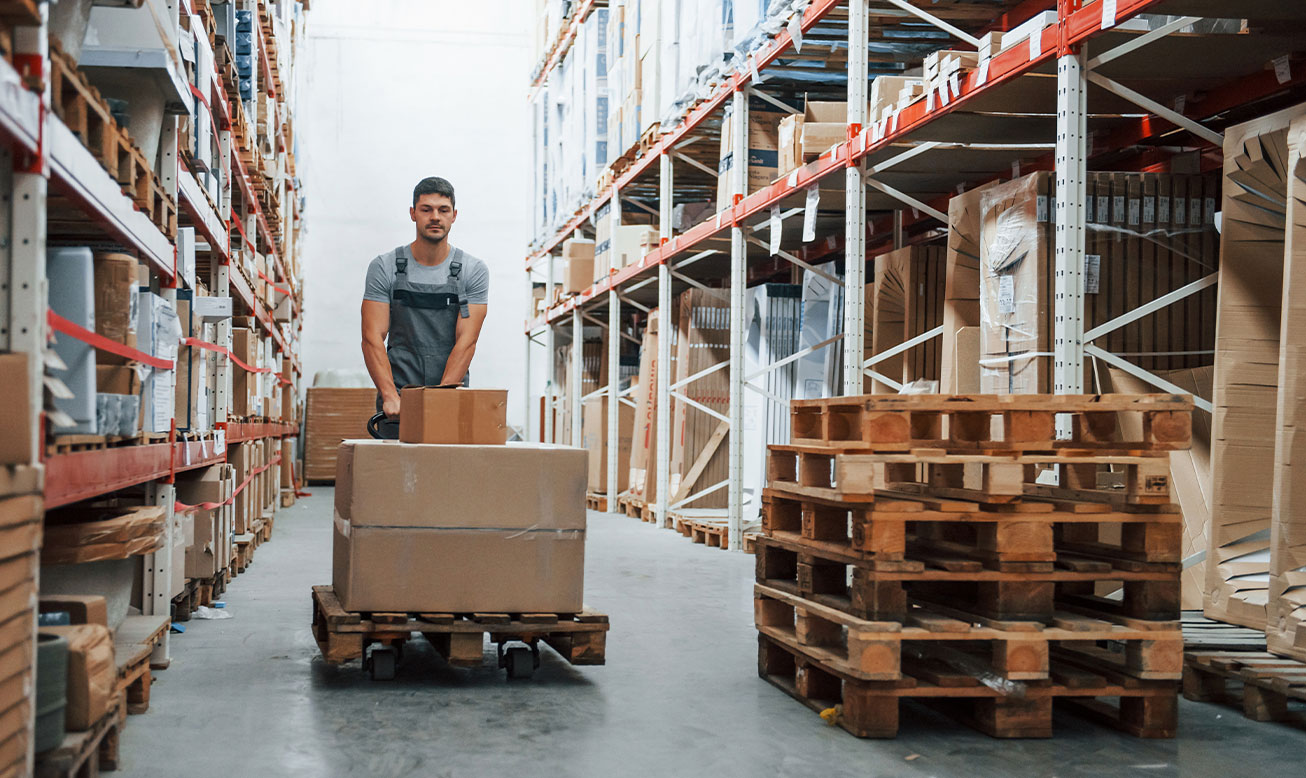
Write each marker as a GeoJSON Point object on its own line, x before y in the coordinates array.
{"type": "Point", "coordinates": [412, 214]}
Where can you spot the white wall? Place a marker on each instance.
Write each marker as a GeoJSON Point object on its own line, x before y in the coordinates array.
{"type": "Point", "coordinates": [392, 91]}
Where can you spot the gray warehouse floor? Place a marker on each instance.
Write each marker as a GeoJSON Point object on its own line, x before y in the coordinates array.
{"type": "Point", "coordinates": [679, 696]}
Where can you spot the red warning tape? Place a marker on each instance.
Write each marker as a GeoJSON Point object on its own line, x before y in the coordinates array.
{"type": "Point", "coordinates": [208, 506]}
{"type": "Point", "coordinates": [217, 136]}
{"type": "Point", "coordinates": [97, 341]}
{"type": "Point", "coordinates": [197, 343]}
{"type": "Point", "coordinates": [284, 290]}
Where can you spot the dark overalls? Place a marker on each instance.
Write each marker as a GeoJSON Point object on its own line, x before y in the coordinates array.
{"type": "Point", "coordinates": [423, 328]}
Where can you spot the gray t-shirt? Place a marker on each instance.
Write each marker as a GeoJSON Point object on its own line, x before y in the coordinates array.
{"type": "Point", "coordinates": [475, 275]}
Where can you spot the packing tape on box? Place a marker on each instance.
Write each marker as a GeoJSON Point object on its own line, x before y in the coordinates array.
{"type": "Point", "coordinates": [342, 524]}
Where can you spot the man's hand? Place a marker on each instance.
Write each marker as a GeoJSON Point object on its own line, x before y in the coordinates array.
{"type": "Point", "coordinates": [390, 406]}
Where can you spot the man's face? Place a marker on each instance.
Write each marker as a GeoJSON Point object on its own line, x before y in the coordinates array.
{"type": "Point", "coordinates": [434, 216]}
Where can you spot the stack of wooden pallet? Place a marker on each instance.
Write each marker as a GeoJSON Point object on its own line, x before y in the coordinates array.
{"type": "Point", "coordinates": [914, 547]}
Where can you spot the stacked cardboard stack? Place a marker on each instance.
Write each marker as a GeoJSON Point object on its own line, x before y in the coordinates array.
{"type": "Point", "coordinates": [442, 543]}
{"type": "Point", "coordinates": [906, 556]}
{"type": "Point", "coordinates": [20, 542]}
{"type": "Point", "coordinates": [333, 415]}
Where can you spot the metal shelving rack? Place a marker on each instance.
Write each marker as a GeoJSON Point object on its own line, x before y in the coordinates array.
{"type": "Point", "coordinates": [40, 156]}
{"type": "Point", "coordinates": [1080, 61]}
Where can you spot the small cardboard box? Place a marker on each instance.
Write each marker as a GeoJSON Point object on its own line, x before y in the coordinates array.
{"type": "Point", "coordinates": [808, 134]}
{"type": "Point", "coordinates": [15, 426]}
{"type": "Point", "coordinates": [115, 303]}
{"type": "Point", "coordinates": [466, 416]}
{"type": "Point", "coordinates": [578, 255]}
{"type": "Point", "coordinates": [81, 608]}
{"type": "Point", "coordinates": [417, 529]}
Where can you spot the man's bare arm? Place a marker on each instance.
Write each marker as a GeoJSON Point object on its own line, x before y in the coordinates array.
{"type": "Point", "coordinates": [376, 325]}
{"type": "Point", "coordinates": [464, 348]}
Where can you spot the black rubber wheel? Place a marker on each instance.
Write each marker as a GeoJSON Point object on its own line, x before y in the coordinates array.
{"type": "Point", "coordinates": [382, 663]}
{"type": "Point", "coordinates": [520, 661]}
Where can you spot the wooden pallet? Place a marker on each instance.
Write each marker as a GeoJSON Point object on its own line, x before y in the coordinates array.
{"type": "Point", "coordinates": [844, 475]}
{"type": "Point", "coordinates": [1026, 536]}
{"type": "Point", "coordinates": [85, 754]}
{"type": "Point", "coordinates": [879, 592]}
{"type": "Point", "coordinates": [84, 110]}
{"type": "Point", "coordinates": [63, 444]}
{"type": "Point", "coordinates": [870, 708]}
{"type": "Point", "coordinates": [1000, 423]}
{"type": "Point", "coordinates": [713, 534]}
{"type": "Point", "coordinates": [596, 502]}
{"type": "Point", "coordinates": [1203, 634]}
{"type": "Point", "coordinates": [636, 508]}
{"type": "Point", "coordinates": [186, 603]}
{"type": "Point", "coordinates": [1013, 650]}
{"type": "Point", "coordinates": [133, 645]}
{"type": "Point", "coordinates": [342, 636]}
{"type": "Point", "coordinates": [1265, 686]}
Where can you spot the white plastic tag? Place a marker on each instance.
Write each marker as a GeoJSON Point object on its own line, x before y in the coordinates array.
{"type": "Point", "coordinates": [1015, 169]}
{"type": "Point", "coordinates": [796, 31]}
{"type": "Point", "coordinates": [1134, 207]}
{"type": "Point", "coordinates": [982, 73]}
{"type": "Point", "coordinates": [1092, 273]}
{"type": "Point", "coordinates": [1108, 14]}
{"type": "Point", "coordinates": [1283, 68]}
{"type": "Point", "coordinates": [792, 180]}
{"type": "Point", "coordinates": [1035, 44]}
{"type": "Point", "coordinates": [1006, 294]}
{"type": "Point", "coordinates": [809, 213]}
{"type": "Point", "coordinates": [776, 227]}
{"type": "Point", "coordinates": [954, 82]}
{"type": "Point", "coordinates": [752, 68]}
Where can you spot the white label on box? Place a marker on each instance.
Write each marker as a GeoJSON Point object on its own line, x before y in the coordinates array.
{"type": "Point", "coordinates": [809, 213]}
{"type": "Point", "coordinates": [1118, 208]}
{"type": "Point", "coordinates": [1042, 207]}
{"type": "Point", "coordinates": [1092, 273]}
{"type": "Point", "coordinates": [1210, 210]}
{"type": "Point", "coordinates": [1134, 208]}
{"type": "Point", "coordinates": [1195, 212]}
{"type": "Point", "coordinates": [1180, 215]}
{"type": "Point", "coordinates": [776, 227]}
{"type": "Point", "coordinates": [1283, 68]}
{"type": "Point", "coordinates": [1006, 294]}
{"type": "Point", "coordinates": [1149, 210]}
{"type": "Point", "coordinates": [1163, 210]}
{"type": "Point", "coordinates": [796, 30]}
{"type": "Point", "coordinates": [1088, 210]}
{"type": "Point", "coordinates": [1108, 14]}
{"type": "Point", "coordinates": [1103, 209]}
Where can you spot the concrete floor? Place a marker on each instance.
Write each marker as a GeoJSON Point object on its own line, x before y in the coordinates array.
{"type": "Point", "coordinates": [679, 696]}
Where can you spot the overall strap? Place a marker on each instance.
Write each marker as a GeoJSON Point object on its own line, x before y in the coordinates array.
{"type": "Point", "coordinates": [401, 261]}
{"type": "Point", "coordinates": [455, 275]}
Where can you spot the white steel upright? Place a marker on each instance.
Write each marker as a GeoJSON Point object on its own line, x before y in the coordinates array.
{"type": "Point", "coordinates": [1071, 175]}
{"type": "Point", "coordinates": [854, 298]}
{"type": "Point", "coordinates": [738, 279]}
{"type": "Point", "coordinates": [614, 407]}
{"type": "Point", "coordinates": [577, 373]}
{"type": "Point", "coordinates": [551, 358]}
{"type": "Point", "coordinates": [665, 185]}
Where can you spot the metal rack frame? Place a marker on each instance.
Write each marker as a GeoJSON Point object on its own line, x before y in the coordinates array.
{"type": "Point", "coordinates": [873, 150]}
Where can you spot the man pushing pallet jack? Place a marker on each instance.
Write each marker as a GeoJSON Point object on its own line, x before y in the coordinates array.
{"type": "Point", "coordinates": [424, 541]}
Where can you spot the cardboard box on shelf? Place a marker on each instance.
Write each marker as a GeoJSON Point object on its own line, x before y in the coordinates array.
{"type": "Point", "coordinates": [332, 415]}
{"type": "Point", "coordinates": [643, 450]}
{"type": "Point", "coordinates": [244, 384]}
{"type": "Point", "coordinates": [116, 294]}
{"type": "Point", "coordinates": [440, 544]}
{"type": "Point", "coordinates": [81, 608]}
{"type": "Point", "coordinates": [92, 674]}
{"type": "Point", "coordinates": [578, 257]}
{"type": "Point", "coordinates": [763, 153]}
{"type": "Point", "coordinates": [15, 425]}
{"type": "Point", "coordinates": [461, 416]}
{"type": "Point", "coordinates": [803, 136]}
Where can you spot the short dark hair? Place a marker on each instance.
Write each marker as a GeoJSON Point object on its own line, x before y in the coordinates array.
{"type": "Point", "coordinates": [434, 185]}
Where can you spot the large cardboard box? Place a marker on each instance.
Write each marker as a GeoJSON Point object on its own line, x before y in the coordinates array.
{"type": "Point", "coordinates": [92, 674]}
{"type": "Point", "coordinates": [578, 260]}
{"type": "Point", "coordinates": [115, 303]}
{"type": "Point", "coordinates": [594, 434]}
{"type": "Point", "coordinates": [465, 416]}
{"type": "Point", "coordinates": [643, 450]}
{"type": "Point", "coordinates": [418, 530]}
{"type": "Point", "coordinates": [244, 384]}
{"type": "Point", "coordinates": [763, 153]}
{"type": "Point", "coordinates": [803, 136]}
{"type": "Point", "coordinates": [15, 425]}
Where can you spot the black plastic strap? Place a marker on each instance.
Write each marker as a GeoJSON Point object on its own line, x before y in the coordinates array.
{"type": "Point", "coordinates": [401, 262]}
{"type": "Point", "coordinates": [433, 301]}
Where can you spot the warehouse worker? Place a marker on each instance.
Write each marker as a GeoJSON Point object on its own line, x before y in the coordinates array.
{"type": "Point", "coordinates": [423, 306]}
